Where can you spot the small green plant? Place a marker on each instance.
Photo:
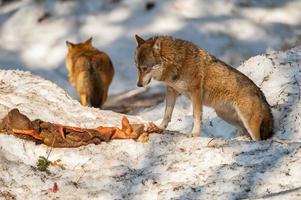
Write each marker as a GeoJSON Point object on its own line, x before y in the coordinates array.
{"type": "Point", "coordinates": [43, 164]}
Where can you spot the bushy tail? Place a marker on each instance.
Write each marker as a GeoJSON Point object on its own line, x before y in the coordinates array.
{"type": "Point", "coordinates": [89, 88]}
{"type": "Point", "coordinates": [267, 125]}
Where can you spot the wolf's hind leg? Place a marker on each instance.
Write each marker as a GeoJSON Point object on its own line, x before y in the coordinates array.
{"type": "Point", "coordinates": [251, 120]}
{"type": "Point", "coordinates": [229, 115]}
{"type": "Point", "coordinates": [84, 100]}
{"type": "Point", "coordinates": [104, 96]}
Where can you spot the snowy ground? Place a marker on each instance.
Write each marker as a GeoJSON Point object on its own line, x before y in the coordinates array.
{"type": "Point", "coordinates": [169, 166]}
{"type": "Point", "coordinates": [233, 30]}
{"type": "Point", "coordinates": [217, 165]}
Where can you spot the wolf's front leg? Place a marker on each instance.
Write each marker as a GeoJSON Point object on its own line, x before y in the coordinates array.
{"type": "Point", "coordinates": [171, 96]}
{"type": "Point", "coordinates": [197, 107]}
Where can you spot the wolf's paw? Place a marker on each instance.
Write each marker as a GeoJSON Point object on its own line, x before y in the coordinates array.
{"type": "Point", "coordinates": [162, 126]}
{"type": "Point", "coordinates": [192, 135]}
{"type": "Point", "coordinates": [195, 132]}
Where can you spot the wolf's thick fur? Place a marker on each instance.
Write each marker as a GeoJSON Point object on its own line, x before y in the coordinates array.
{"type": "Point", "coordinates": [192, 71]}
{"type": "Point", "coordinates": [90, 71]}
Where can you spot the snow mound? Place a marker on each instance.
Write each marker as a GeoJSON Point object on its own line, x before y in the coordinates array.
{"type": "Point", "coordinates": [169, 166]}
{"type": "Point", "coordinates": [39, 98]}
{"type": "Point", "coordinates": [278, 74]}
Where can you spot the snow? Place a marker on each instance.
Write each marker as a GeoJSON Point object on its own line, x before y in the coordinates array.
{"type": "Point", "coordinates": [217, 165]}
{"type": "Point", "coordinates": [38, 98]}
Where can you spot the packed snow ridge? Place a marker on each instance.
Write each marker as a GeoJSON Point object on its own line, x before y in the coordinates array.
{"type": "Point", "coordinates": [217, 165]}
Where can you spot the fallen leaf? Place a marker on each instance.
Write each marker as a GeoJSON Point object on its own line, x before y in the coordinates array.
{"type": "Point", "coordinates": [54, 188]}
{"type": "Point", "coordinates": [144, 137]}
{"type": "Point", "coordinates": [153, 128]}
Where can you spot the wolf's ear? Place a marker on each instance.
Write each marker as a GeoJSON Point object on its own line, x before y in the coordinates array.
{"type": "Point", "coordinates": [89, 41]}
{"type": "Point", "coordinates": [69, 44]}
{"type": "Point", "coordinates": [157, 45]}
{"type": "Point", "coordinates": [139, 40]}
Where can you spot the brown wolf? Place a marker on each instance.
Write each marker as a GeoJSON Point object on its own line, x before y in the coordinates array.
{"type": "Point", "coordinates": [193, 72]}
{"type": "Point", "coordinates": [90, 72]}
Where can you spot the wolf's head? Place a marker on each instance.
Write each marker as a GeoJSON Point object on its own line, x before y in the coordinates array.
{"type": "Point", "coordinates": [72, 47]}
{"type": "Point", "coordinates": [147, 59]}
{"type": "Point", "coordinates": [74, 50]}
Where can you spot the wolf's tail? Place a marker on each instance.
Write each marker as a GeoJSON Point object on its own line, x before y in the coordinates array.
{"type": "Point", "coordinates": [267, 125]}
{"type": "Point", "coordinates": [88, 85]}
